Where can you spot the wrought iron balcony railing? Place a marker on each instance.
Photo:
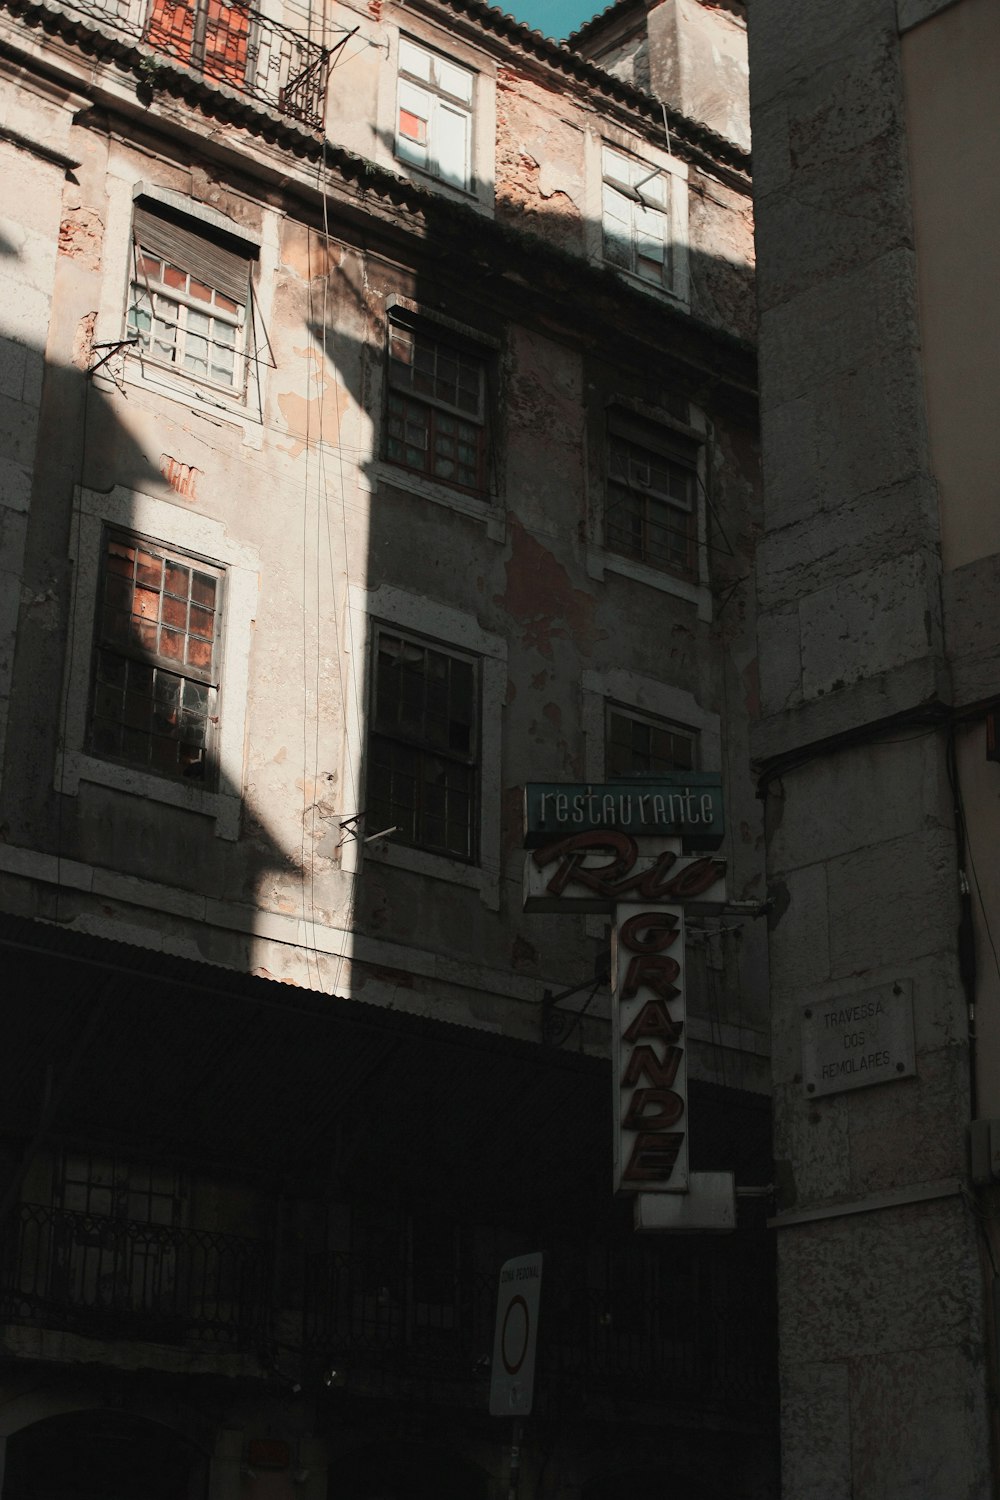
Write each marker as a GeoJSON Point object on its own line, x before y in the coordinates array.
{"type": "Point", "coordinates": [379, 1317]}
{"type": "Point", "coordinates": [360, 1317]}
{"type": "Point", "coordinates": [116, 1278]}
{"type": "Point", "coordinates": [228, 44]}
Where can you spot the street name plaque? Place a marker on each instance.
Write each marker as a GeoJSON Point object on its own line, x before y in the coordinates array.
{"type": "Point", "coordinates": [857, 1040]}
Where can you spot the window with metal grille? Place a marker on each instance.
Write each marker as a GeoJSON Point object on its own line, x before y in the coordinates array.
{"type": "Point", "coordinates": [423, 751]}
{"type": "Point", "coordinates": [115, 1189]}
{"type": "Point", "coordinates": [157, 658]}
{"type": "Point", "coordinates": [188, 301]}
{"type": "Point", "coordinates": [437, 408]}
{"type": "Point", "coordinates": [635, 745]}
{"type": "Point", "coordinates": [651, 489]}
{"type": "Point", "coordinates": [434, 115]}
{"type": "Point", "coordinates": [636, 217]}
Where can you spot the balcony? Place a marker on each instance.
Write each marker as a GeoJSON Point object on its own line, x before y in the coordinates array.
{"type": "Point", "coordinates": [226, 44]}
{"type": "Point", "coordinates": [383, 1324]}
{"type": "Point", "coordinates": [119, 1279]}
{"type": "Point", "coordinates": [381, 1328]}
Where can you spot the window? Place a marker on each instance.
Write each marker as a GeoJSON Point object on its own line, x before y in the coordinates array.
{"type": "Point", "coordinates": [638, 746]}
{"type": "Point", "coordinates": [437, 408]}
{"type": "Point", "coordinates": [650, 509]}
{"type": "Point", "coordinates": [423, 751]}
{"type": "Point", "coordinates": [188, 300]}
{"type": "Point", "coordinates": [156, 659]}
{"type": "Point", "coordinates": [635, 213]}
{"type": "Point", "coordinates": [211, 36]}
{"type": "Point", "coordinates": [114, 1189]}
{"type": "Point", "coordinates": [434, 115]}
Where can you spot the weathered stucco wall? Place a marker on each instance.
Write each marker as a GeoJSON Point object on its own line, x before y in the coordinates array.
{"type": "Point", "coordinates": [293, 492]}
{"type": "Point", "coordinates": [860, 818]}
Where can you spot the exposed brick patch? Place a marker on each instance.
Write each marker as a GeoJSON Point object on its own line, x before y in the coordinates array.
{"type": "Point", "coordinates": [83, 341]}
{"type": "Point", "coordinates": [81, 237]}
{"type": "Point", "coordinates": [180, 477]}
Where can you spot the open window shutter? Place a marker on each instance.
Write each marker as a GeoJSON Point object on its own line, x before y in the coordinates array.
{"type": "Point", "coordinates": [617, 218]}
{"type": "Point", "coordinates": [651, 234]}
{"type": "Point", "coordinates": [417, 103]}
{"type": "Point", "coordinates": [225, 270]}
{"type": "Point", "coordinates": [452, 145]}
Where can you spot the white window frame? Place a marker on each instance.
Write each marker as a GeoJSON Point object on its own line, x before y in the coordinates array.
{"type": "Point", "coordinates": [243, 407]}
{"type": "Point", "coordinates": [153, 619]}
{"type": "Point", "coordinates": [183, 531]}
{"type": "Point", "coordinates": [480, 187]}
{"type": "Point", "coordinates": [153, 304]}
{"type": "Point", "coordinates": [448, 628]}
{"type": "Point", "coordinates": [654, 195]}
{"type": "Point", "coordinates": [439, 93]}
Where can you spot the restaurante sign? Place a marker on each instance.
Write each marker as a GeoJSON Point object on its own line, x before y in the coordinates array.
{"type": "Point", "coordinates": [687, 806]}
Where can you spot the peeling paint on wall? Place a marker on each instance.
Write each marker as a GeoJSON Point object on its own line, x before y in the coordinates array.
{"type": "Point", "coordinates": [539, 595]}
{"type": "Point", "coordinates": [83, 341]}
{"type": "Point", "coordinates": [81, 237]}
{"type": "Point", "coordinates": [314, 418]}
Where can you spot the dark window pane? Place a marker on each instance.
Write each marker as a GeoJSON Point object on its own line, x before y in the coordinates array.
{"type": "Point", "coordinates": [142, 713]}
{"type": "Point", "coordinates": [421, 777]}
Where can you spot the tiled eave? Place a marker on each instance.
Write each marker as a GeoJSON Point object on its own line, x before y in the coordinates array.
{"type": "Point", "coordinates": [611, 13]}
{"type": "Point", "coordinates": [99, 40]}
{"type": "Point", "coordinates": [403, 208]}
{"type": "Point", "coordinates": [690, 136]}
{"type": "Point", "coordinates": [693, 141]}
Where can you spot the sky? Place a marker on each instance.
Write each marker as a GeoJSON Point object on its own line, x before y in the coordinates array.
{"type": "Point", "coordinates": [556, 18]}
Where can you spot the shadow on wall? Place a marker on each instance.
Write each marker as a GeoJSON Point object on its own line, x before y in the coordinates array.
{"type": "Point", "coordinates": [154, 667]}
{"type": "Point", "coordinates": [502, 403]}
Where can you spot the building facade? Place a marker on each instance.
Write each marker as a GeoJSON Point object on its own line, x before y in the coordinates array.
{"type": "Point", "coordinates": [378, 436]}
{"type": "Point", "coordinates": [876, 226]}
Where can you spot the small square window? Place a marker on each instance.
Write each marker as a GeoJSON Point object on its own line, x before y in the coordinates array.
{"type": "Point", "coordinates": [423, 749]}
{"type": "Point", "coordinates": [635, 745]}
{"type": "Point", "coordinates": [434, 115]}
{"type": "Point", "coordinates": [635, 212]}
{"type": "Point", "coordinates": [651, 498]}
{"type": "Point", "coordinates": [188, 301]}
{"type": "Point", "coordinates": [156, 659]}
{"type": "Point", "coordinates": [436, 418]}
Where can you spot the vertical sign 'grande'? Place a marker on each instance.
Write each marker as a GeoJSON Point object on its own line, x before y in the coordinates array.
{"type": "Point", "coordinates": [648, 1049]}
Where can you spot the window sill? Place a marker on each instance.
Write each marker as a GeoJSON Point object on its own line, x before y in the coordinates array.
{"type": "Point", "coordinates": [209, 402]}
{"type": "Point", "coordinates": [437, 867]}
{"type": "Point", "coordinates": [488, 512]}
{"type": "Point", "coordinates": [600, 561]}
{"type": "Point", "coordinates": [654, 289]}
{"type": "Point", "coordinates": [479, 198]}
{"type": "Point", "coordinates": [223, 807]}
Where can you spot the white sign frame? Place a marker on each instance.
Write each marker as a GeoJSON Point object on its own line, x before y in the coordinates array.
{"type": "Point", "coordinates": [515, 1337]}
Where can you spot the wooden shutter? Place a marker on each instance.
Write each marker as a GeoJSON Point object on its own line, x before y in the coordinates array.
{"type": "Point", "coordinates": [226, 270]}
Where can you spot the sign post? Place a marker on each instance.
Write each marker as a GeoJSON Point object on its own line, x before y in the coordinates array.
{"type": "Point", "coordinates": [512, 1379]}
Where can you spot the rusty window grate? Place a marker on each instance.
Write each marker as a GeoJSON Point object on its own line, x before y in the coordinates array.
{"type": "Point", "coordinates": [423, 753]}
{"type": "Point", "coordinates": [157, 653]}
{"type": "Point", "coordinates": [437, 409]}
